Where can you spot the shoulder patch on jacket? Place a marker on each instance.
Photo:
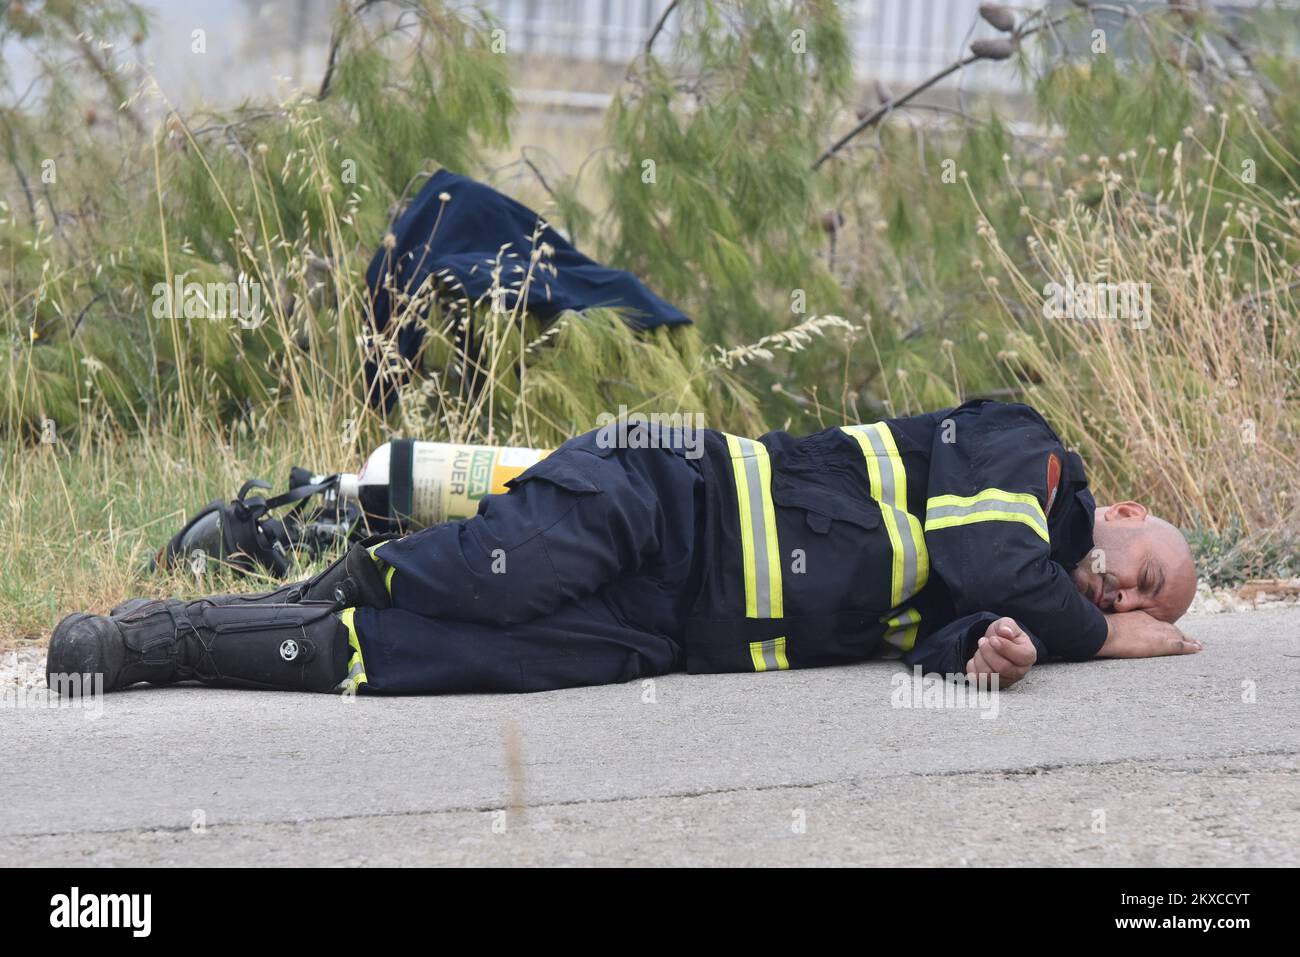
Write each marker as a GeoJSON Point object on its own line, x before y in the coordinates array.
{"type": "Point", "coordinates": [1053, 479]}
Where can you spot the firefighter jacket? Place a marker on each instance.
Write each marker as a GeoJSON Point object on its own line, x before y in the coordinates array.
{"type": "Point", "coordinates": [905, 537]}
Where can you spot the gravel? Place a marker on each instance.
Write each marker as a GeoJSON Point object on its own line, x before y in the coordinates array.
{"type": "Point", "coordinates": [1216, 601]}
{"type": "Point", "coordinates": [23, 669]}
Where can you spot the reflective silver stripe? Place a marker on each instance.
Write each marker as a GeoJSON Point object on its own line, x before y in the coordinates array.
{"type": "Point", "coordinates": [762, 573]}
{"type": "Point", "coordinates": [900, 631]}
{"type": "Point", "coordinates": [892, 495]}
{"type": "Point", "coordinates": [988, 505]}
{"type": "Point", "coordinates": [947, 511]}
{"type": "Point", "coordinates": [751, 468]}
{"type": "Point", "coordinates": [769, 655]}
{"type": "Point", "coordinates": [356, 664]}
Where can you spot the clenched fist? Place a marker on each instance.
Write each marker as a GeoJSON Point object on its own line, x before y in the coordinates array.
{"type": "Point", "coordinates": [1005, 650]}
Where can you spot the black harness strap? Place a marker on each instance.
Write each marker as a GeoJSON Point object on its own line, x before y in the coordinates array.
{"type": "Point", "coordinates": [401, 490]}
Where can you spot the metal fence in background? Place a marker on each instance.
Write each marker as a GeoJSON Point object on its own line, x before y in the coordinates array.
{"type": "Point", "coordinates": [895, 41]}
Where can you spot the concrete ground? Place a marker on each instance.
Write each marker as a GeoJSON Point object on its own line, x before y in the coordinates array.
{"type": "Point", "coordinates": [1172, 761]}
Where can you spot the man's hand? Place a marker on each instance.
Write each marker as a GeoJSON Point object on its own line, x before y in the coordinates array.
{"type": "Point", "coordinates": [1135, 634]}
{"type": "Point", "coordinates": [1005, 650]}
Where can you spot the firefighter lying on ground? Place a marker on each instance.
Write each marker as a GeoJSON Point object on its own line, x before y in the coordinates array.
{"type": "Point", "coordinates": [965, 541]}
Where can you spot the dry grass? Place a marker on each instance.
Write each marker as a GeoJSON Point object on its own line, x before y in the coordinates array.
{"type": "Point", "coordinates": [1198, 410]}
{"type": "Point", "coordinates": [79, 523]}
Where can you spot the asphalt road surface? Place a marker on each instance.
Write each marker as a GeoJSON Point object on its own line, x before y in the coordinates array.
{"type": "Point", "coordinates": [1172, 761]}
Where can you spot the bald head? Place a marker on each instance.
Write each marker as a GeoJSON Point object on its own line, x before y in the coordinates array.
{"type": "Point", "coordinates": [1138, 563]}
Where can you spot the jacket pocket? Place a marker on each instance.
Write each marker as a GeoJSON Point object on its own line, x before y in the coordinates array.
{"type": "Point", "coordinates": [538, 500]}
{"type": "Point", "coordinates": [822, 506]}
{"type": "Point", "coordinates": [564, 468]}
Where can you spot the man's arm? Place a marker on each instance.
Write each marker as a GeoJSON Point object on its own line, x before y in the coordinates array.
{"type": "Point", "coordinates": [957, 648]}
{"type": "Point", "coordinates": [986, 530]}
{"type": "Point", "coordinates": [1135, 634]}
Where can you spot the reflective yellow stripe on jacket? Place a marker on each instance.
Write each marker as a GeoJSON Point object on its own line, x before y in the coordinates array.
{"type": "Point", "coordinates": [911, 564]}
{"type": "Point", "coordinates": [769, 655]}
{"type": "Point", "coordinates": [761, 554]}
{"type": "Point", "coordinates": [901, 629]}
{"type": "Point", "coordinates": [990, 505]}
{"type": "Point", "coordinates": [889, 488]}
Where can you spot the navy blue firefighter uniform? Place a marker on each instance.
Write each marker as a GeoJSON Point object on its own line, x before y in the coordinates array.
{"type": "Point", "coordinates": [606, 563]}
{"type": "Point", "coordinates": [632, 551]}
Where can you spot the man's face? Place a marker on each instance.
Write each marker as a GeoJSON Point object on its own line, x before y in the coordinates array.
{"type": "Point", "coordinates": [1138, 563]}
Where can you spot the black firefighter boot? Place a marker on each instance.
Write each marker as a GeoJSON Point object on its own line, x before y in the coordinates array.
{"type": "Point", "coordinates": [355, 580]}
{"type": "Point", "coordinates": [297, 647]}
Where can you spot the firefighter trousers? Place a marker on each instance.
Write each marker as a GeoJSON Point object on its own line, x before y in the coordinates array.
{"type": "Point", "coordinates": [582, 574]}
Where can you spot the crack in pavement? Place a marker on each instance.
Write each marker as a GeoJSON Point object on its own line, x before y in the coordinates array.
{"type": "Point", "coordinates": [1169, 764]}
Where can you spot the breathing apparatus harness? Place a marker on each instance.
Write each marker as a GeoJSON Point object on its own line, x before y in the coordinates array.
{"type": "Point", "coordinates": [245, 535]}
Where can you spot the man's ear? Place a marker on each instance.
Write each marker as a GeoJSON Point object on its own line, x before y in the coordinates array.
{"type": "Point", "coordinates": [1129, 513]}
